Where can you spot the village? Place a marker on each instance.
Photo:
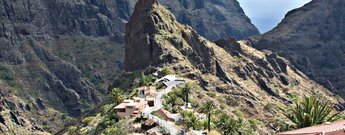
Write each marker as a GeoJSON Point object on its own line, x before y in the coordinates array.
{"type": "Point", "coordinates": [160, 104]}
{"type": "Point", "coordinates": [149, 103]}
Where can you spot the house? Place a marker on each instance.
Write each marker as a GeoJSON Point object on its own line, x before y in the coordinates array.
{"type": "Point", "coordinates": [130, 108]}
{"type": "Point", "coordinates": [145, 91]}
{"type": "Point", "coordinates": [148, 93]}
{"type": "Point", "coordinates": [169, 78]}
{"type": "Point", "coordinates": [335, 128]}
{"type": "Point", "coordinates": [165, 115]}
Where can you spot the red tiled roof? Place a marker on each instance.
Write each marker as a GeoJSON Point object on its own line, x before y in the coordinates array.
{"type": "Point", "coordinates": [335, 128]}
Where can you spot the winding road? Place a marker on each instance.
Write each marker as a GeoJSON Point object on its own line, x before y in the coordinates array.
{"type": "Point", "coordinates": [173, 129]}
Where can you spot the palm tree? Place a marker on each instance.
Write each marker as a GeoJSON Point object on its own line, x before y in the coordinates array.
{"type": "Point", "coordinates": [172, 99]}
{"type": "Point", "coordinates": [311, 111]}
{"type": "Point", "coordinates": [143, 79]}
{"type": "Point", "coordinates": [223, 123]}
{"type": "Point", "coordinates": [186, 90]}
{"type": "Point", "coordinates": [190, 120]}
{"type": "Point", "coordinates": [195, 122]}
{"type": "Point", "coordinates": [208, 108]}
{"type": "Point", "coordinates": [231, 126]}
{"type": "Point", "coordinates": [116, 96]}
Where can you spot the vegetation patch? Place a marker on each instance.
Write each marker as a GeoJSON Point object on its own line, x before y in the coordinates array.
{"type": "Point", "coordinates": [7, 76]}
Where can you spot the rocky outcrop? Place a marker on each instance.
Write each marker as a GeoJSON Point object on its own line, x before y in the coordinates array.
{"type": "Point", "coordinates": [312, 38]}
{"type": "Point", "coordinates": [154, 38]}
{"type": "Point", "coordinates": [144, 47]}
{"type": "Point", "coordinates": [213, 19]}
{"type": "Point", "coordinates": [12, 119]}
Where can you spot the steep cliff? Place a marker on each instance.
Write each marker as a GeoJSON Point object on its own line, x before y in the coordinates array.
{"type": "Point", "coordinates": [312, 38]}
{"type": "Point", "coordinates": [61, 52]}
{"type": "Point", "coordinates": [213, 19]}
{"type": "Point", "coordinates": [262, 82]}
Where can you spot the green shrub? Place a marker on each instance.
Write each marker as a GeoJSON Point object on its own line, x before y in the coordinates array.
{"type": "Point", "coordinates": [222, 106]}
{"type": "Point", "coordinates": [5, 74]}
{"type": "Point", "coordinates": [254, 123]}
{"type": "Point", "coordinates": [146, 80]}
{"type": "Point", "coordinates": [87, 120]}
{"type": "Point", "coordinates": [112, 131]}
{"type": "Point", "coordinates": [166, 71]}
{"type": "Point", "coordinates": [233, 101]}
{"type": "Point", "coordinates": [200, 95]}
{"type": "Point", "coordinates": [212, 94]}
{"type": "Point", "coordinates": [46, 127]}
{"type": "Point", "coordinates": [293, 96]}
{"type": "Point", "coordinates": [72, 129]}
{"type": "Point", "coordinates": [281, 125]}
{"type": "Point", "coordinates": [270, 107]}
{"type": "Point", "coordinates": [160, 85]}
{"type": "Point", "coordinates": [238, 113]}
{"type": "Point", "coordinates": [88, 107]}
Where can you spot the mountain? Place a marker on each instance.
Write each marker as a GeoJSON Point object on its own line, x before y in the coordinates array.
{"type": "Point", "coordinates": [61, 53]}
{"type": "Point", "coordinates": [312, 38]}
{"type": "Point", "coordinates": [213, 19]}
{"type": "Point", "coordinates": [64, 54]}
{"type": "Point", "coordinates": [262, 82]}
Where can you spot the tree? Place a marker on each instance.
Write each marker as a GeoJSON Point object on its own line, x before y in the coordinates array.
{"type": "Point", "coordinates": [190, 120]}
{"type": "Point", "coordinates": [116, 96]}
{"type": "Point", "coordinates": [311, 111]}
{"type": "Point", "coordinates": [231, 126]}
{"type": "Point", "coordinates": [186, 90]}
{"type": "Point", "coordinates": [172, 99]}
{"type": "Point", "coordinates": [146, 80]}
{"type": "Point", "coordinates": [143, 79]}
{"type": "Point", "coordinates": [208, 108]}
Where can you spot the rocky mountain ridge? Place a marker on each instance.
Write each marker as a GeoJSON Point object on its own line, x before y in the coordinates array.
{"type": "Point", "coordinates": [263, 82]}
{"type": "Point", "coordinates": [312, 38]}
{"type": "Point", "coordinates": [67, 52]}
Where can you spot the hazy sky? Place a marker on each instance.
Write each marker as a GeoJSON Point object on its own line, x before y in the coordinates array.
{"type": "Point", "coordinates": [266, 14]}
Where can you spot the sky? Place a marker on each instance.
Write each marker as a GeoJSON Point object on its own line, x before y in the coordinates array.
{"type": "Point", "coordinates": [266, 14]}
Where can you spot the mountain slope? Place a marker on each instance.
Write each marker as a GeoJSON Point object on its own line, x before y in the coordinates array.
{"type": "Point", "coordinates": [62, 52]}
{"type": "Point", "coordinates": [65, 53]}
{"type": "Point", "coordinates": [262, 82]}
{"type": "Point", "coordinates": [312, 38]}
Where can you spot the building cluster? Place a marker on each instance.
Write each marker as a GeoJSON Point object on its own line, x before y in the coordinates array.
{"type": "Point", "coordinates": [134, 108]}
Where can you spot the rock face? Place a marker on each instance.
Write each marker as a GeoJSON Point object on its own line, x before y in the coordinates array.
{"type": "Point", "coordinates": [60, 52]}
{"type": "Point", "coordinates": [213, 19]}
{"type": "Point", "coordinates": [12, 119]}
{"type": "Point", "coordinates": [31, 30]}
{"type": "Point", "coordinates": [233, 70]}
{"type": "Point", "coordinates": [312, 38]}
{"type": "Point", "coordinates": [143, 48]}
